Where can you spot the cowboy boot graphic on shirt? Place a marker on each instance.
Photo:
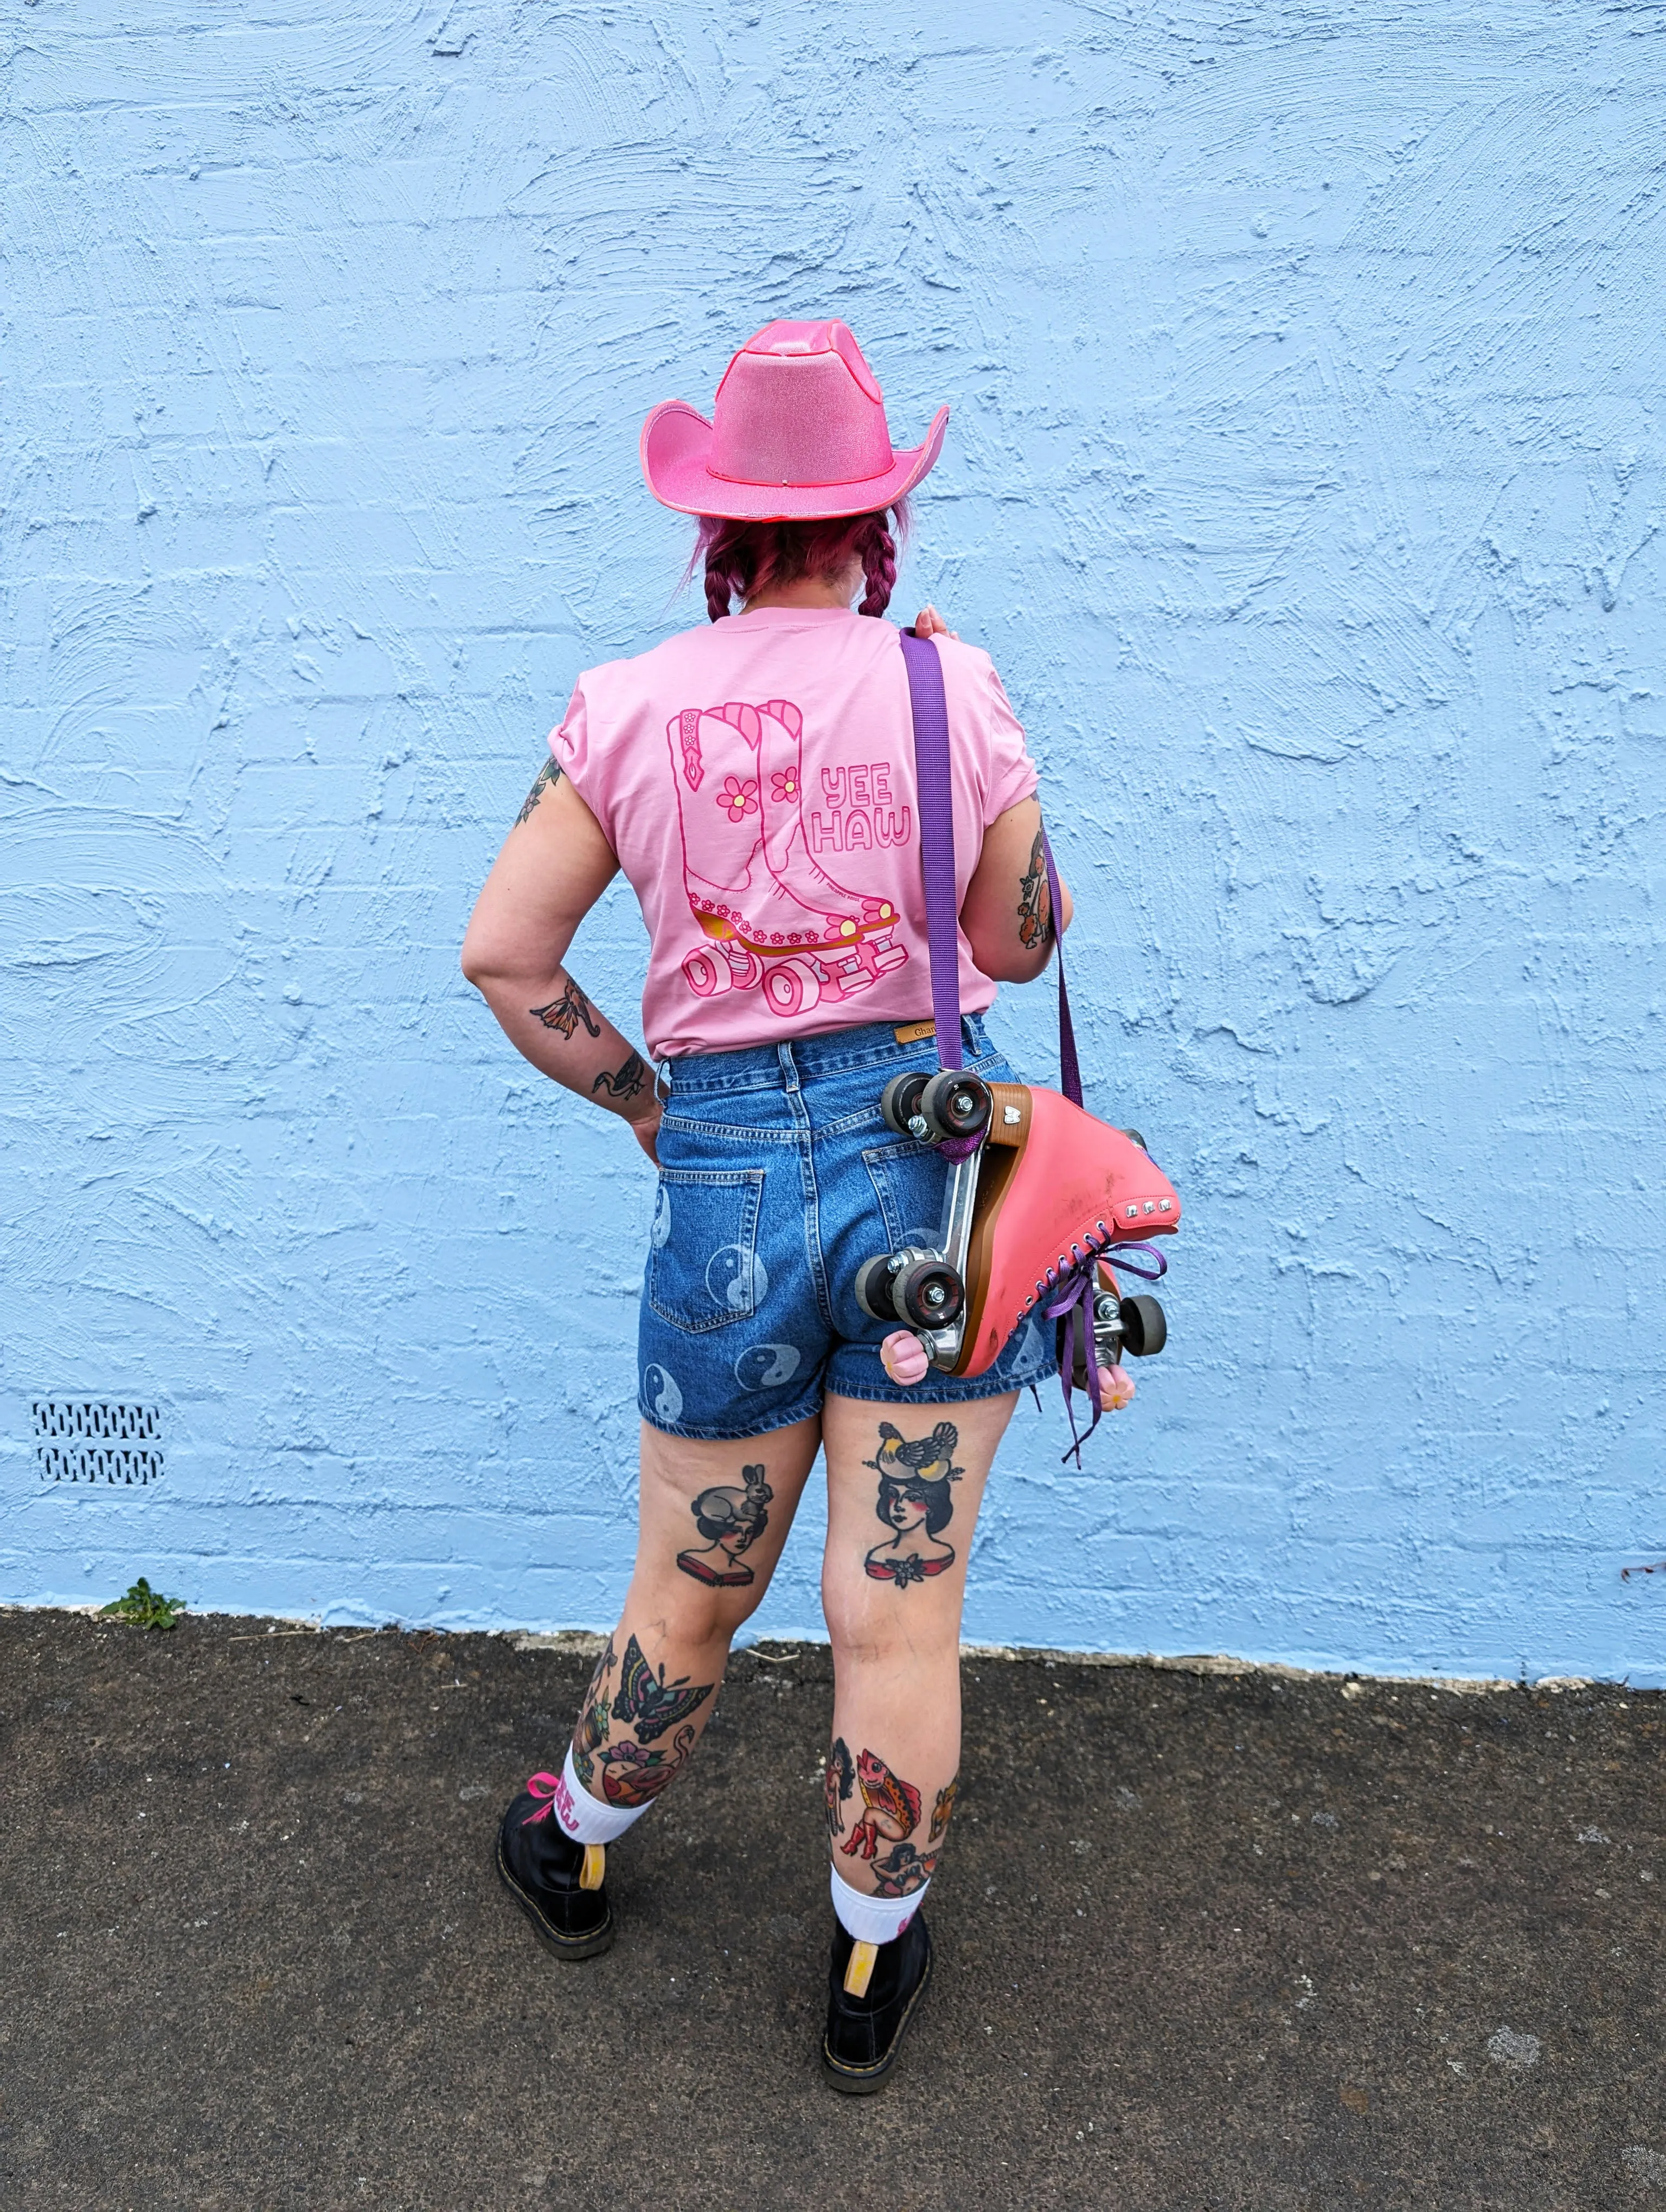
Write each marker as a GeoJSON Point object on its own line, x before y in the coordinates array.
{"type": "Point", "coordinates": [859, 926]}
{"type": "Point", "coordinates": [715, 771]}
{"type": "Point", "coordinates": [757, 929]}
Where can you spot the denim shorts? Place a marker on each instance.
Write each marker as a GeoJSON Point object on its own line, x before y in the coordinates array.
{"type": "Point", "coordinates": [778, 1177]}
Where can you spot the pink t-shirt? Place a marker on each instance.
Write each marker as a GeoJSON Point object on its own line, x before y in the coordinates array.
{"type": "Point", "coordinates": [756, 778]}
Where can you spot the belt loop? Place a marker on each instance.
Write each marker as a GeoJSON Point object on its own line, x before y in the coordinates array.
{"type": "Point", "coordinates": [789, 1072]}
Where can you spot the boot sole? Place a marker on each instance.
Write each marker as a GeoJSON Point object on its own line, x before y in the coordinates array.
{"type": "Point", "coordinates": [863, 2081]}
{"type": "Point", "coordinates": [559, 1946]}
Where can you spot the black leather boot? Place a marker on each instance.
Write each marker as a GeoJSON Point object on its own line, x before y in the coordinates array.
{"type": "Point", "coordinates": [558, 1884]}
{"type": "Point", "coordinates": [864, 2026]}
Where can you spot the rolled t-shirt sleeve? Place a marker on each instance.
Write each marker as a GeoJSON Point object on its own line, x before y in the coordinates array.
{"type": "Point", "coordinates": [571, 750]}
{"type": "Point", "coordinates": [1012, 773]}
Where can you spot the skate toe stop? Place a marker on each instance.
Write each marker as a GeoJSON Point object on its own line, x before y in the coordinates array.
{"type": "Point", "coordinates": [903, 1357]}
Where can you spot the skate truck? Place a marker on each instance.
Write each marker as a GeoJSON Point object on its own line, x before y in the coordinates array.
{"type": "Point", "coordinates": [1042, 1196]}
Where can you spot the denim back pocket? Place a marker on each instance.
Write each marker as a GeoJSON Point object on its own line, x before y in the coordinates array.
{"type": "Point", "coordinates": [703, 1270]}
{"type": "Point", "coordinates": [908, 1181]}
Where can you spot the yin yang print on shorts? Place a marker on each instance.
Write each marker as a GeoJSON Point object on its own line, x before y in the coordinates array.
{"type": "Point", "coordinates": [768, 1366]}
{"type": "Point", "coordinates": [737, 1278]}
{"type": "Point", "coordinates": [665, 1399]}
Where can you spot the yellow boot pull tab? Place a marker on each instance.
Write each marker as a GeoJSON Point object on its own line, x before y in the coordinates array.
{"type": "Point", "coordinates": [593, 1873]}
{"type": "Point", "coordinates": [856, 1974]}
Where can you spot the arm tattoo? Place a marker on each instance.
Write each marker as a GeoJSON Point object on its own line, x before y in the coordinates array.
{"type": "Point", "coordinates": [625, 1082]}
{"type": "Point", "coordinates": [547, 774]}
{"type": "Point", "coordinates": [566, 1013]}
{"type": "Point", "coordinates": [1035, 904]}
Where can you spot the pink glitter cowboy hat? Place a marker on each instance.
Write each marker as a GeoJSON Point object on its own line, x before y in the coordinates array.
{"type": "Point", "coordinates": [798, 433]}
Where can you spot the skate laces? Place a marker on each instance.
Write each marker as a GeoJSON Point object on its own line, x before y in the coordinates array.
{"type": "Point", "coordinates": [1068, 1292]}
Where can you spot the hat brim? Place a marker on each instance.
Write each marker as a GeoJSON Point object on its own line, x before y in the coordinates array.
{"type": "Point", "coordinates": [676, 444]}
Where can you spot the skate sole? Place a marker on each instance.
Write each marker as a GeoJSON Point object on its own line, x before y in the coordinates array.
{"type": "Point", "coordinates": [863, 2081]}
{"type": "Point", "coordinates": [558, 1945]}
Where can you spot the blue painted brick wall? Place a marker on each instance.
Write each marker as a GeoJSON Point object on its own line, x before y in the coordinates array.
{"type": "Point", "coordinates": [1305, 479]}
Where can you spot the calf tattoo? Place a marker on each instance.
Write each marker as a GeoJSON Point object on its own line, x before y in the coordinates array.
{"type": "Point", "coordinates": [566, 1013]}
{"type": "Point", "coordinates": [943, 1811]}
{"type": "Point", "coordinates": [734, 1519]}
{"type": "Point", "coordinates": [547, 774]}
{"type": "Point", "coordinates": [631, 1776]}
{"type": "Point", "coordinates": [652, 1706]}
{"type": "Point", "coordinates": [838, 1782]}
{"type": "Point", "coordinates": [890, 1809]}
{"type": "Point", "coordinates": [915, 1503]}
{"type": "Point", "coordinates": [594, 1715]}
{"type": "Point", "coordinates": [1035, 905]}
{"type": "Point", "coordinates": [625, 1082]}
{"type": "Point", "coordinates": [902, 1871]}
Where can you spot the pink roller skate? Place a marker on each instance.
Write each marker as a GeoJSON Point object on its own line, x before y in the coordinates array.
{"type": "Point", "coordinates": [761, 927]}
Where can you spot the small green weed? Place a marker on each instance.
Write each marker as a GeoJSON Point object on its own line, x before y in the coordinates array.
{"type": "Point", "coordinates": [144, 1607]}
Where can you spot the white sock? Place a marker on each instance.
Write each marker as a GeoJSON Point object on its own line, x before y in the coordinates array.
{"type": "Point", "coordinates": [585, 1818]}
{"type": "Point", "coordinates": [873, 1919]}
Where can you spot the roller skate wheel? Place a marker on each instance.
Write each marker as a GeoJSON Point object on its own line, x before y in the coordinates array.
{"type": "Point", "coordinates": [876, 1288]}
{"type": "Point", "coordinates": [955, 1104]}
{"type": "Point", "coordinates": [929, 1295]}
{"type": "Point", "coordinates": [1145, 1327]}
{"type": "Point", "coordinates": [899, 1102]}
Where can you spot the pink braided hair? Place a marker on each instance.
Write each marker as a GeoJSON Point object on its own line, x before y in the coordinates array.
{"type": "Point", "coordinates": [740, 558]}
{"type": "Point", "coordinates": [878, 551]}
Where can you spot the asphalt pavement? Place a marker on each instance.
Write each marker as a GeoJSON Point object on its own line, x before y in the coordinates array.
{"type": "Point", "coordinates": [1205, 1940]}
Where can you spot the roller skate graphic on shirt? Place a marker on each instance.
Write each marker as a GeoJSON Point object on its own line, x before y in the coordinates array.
{"type": "Point", "coordinates": [772, 915]}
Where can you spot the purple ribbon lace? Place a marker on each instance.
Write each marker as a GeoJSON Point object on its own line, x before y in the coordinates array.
{"type": "Point", "coordinates": [1070, 1304]}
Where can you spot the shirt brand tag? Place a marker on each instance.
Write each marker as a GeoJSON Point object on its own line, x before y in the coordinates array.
{"type": "Point", "coordinates": [913, 1032]}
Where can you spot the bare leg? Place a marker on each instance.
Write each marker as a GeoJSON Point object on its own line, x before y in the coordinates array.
{"type": "Point", "coordinates": [712, 1521]}
{"type": "Point", "coordinates": [904, 1485]}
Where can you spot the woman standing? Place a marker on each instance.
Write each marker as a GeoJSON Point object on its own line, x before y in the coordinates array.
{"type": "Point", "coordinates": [755, 780]}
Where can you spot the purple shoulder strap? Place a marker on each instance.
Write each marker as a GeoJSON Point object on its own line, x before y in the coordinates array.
{"type": "Point", "coordinates": [931, 769]}
{"type": "Point", "coordinates": [932, 776]}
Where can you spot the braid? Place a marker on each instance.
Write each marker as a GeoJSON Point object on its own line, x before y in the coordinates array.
{"type": "Point", "coordinates": [878, 551]}
{"type": "Point", "coordinates": [730, 562]}
{"type": "Point", "coordinates": [741, 558]}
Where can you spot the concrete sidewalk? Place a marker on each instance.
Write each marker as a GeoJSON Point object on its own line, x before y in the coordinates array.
{"type": "Point", "coordinates": [1205, 1941]}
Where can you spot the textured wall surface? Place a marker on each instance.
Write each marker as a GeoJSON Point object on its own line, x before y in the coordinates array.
{"type": "Point", "coordinates": [1304, 479]}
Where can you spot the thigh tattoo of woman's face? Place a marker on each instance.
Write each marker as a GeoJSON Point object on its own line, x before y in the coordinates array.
{"type": "Point", "coordinates": [915, 1503]}
{"type": "Point", "coordinates": [731, 1517]}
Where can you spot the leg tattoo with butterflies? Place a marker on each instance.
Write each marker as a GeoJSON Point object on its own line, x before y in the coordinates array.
{"type": "Point", "coordinates": [634, 1770]}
